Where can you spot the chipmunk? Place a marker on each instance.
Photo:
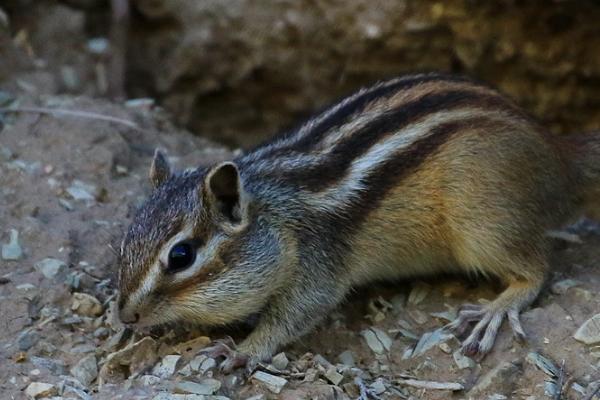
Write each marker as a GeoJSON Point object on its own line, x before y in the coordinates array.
{"type": "Point", "coordinates": [415, 176]}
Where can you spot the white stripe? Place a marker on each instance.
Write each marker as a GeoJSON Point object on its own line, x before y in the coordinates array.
{"type": "Point", "coordinates": [307, 128]}
{"type": "Point", "coordinates": [351, 186]}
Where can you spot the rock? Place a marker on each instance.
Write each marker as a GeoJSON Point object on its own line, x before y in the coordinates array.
{"type": "Point", "coordinates": [27, 339]}
{"type": "Point", "coordinates": [561, 287]}
{"type": "Point", "coordinates": [377, 340]}
{"type": "Point", "coordinates": [86, 305]}
{"type": "Point", "coordinates": [12, 251]}
{"type": "Point", "coordinates": [166, 368]}
{"type": "Point", "coordinates": [82, 191]}
{"type": "Point", "coordinates": [98, 46]}
{"type": "Point", "coordinates": [39, 390]}
{"type": "Point", "coordinates": [280, 361]}
{"type": "Point", "coordinates": [333, 376]}
{"type": "Point", "coordinates": [133, 359]}
{"type": "Point", "coordinates": [429, 340]}
{"type": "Point", "coordinates": [347, 358]}
{"type": "Point", "coordinates": [51, 267]}
{"type": "Point", "coordinates": [150, 380]}
{"type": "Point", "coordinates": [192, 347]}
{"type": "Point", "coordinates": [274, 383]}
{"type": "Point", "coordinates": [589, 332]}
{"type": "Point", "coordinates": [462, 361]}
{"type": "Point", "coordinates": [205, 387]}
{"type": "Point", "coordinates": [86, 370]}
{"type": "Point", "coordinates": [56, 367]}
{"type": "Point", "coordinates": [202, 364]}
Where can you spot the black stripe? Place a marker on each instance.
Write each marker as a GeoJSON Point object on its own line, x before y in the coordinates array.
{"type": "Point", "coordinates": [319, 176]}
{"type": "Point", "coordinates": [348, 111]}
{"type": "Point", "coordinates": [390, 174]}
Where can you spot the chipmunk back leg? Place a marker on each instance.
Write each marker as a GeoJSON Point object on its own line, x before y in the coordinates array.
{"type": "Point", "coordinates": [519, 294]}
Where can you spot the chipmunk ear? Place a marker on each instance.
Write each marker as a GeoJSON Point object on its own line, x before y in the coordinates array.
{"type": "Point", "coordinates": [160, 170]}
{"type": "Point", "coordinates": [224, 193]}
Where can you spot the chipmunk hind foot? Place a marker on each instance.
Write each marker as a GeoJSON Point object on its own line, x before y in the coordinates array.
{"type": "Point", "coordinates": [488, 318]}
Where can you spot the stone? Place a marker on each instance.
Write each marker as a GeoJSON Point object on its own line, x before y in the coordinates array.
{"type": "Point", "coordinates": [27, 339]}
{"type": "Point", "coordinates": [86, 305]}
{"type": "Point", "coordinates": [205, 387]}
{"type": "Point", "coordinates": [462, 361]}
{"type": "Point", "coordinates": [150, 380]}
{"type": "Point", "coordinates": [51, 267]}
{"type": "Point", "coordinates": [280, 361]}
{"type": "Point", "coordinates": [429, 340]}
{"type": "Point", "coordinates": [347, 358]}
{"type": "Point", "coordinates": [167, 366]}
{"type": "Point", "coordinates": [377, 340]}
{"type": "Point", "coordinates": [561, 287]}
{"type": "Point", "coordinates": [55, 367]}
{"type": "Point", "coordinates": [333, 376]}
{"type": "Point", "coordinates": [589, 332]}
{"type": "Point", "coordinates": [132, 359]}
{"type": "Point", "coordinates": [86, 370]}
{"type": "Point", "coordinates": [12, 251]}
{"type": "Point", "coordinates": [274, 383]}
{"type": "Point", "coordinates": [82, 191]}
{"type": "Point", "coordinates": [39, 390]}
{"type": "Point", "coordinates": [192, 347]}
{"type": "Point", "coordinates": [202, 364]}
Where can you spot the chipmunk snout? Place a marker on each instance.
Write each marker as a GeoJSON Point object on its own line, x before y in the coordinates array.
{"type": "Point", "coordinates": [127, 315]}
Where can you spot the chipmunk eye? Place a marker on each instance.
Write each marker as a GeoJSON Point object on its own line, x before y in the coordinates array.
{"type": "Point", "coordinates": [181, 256]}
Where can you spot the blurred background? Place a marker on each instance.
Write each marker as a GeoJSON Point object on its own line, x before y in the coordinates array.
{"type": "Point", "coordinates": [239, 71]}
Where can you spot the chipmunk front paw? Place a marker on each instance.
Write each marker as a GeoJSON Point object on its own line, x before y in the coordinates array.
{"type": "Point", "coordinates": [233, 358]}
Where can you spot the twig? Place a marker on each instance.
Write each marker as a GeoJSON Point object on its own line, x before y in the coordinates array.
{"type": "Point", "coordinates": [431, 384]}
{"type": "Point", "coordinates": [69, 113]}
{"type": "Point", "coordinates": [560, 381]}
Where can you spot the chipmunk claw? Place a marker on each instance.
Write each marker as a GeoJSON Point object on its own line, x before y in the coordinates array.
{"type": "Point", "coordinates": [226, 348]}
{"type": "Point", "coordinates": [487, 324]}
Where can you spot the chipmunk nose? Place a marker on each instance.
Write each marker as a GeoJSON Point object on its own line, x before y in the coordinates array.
{"type": "Point", "coordinates": [127, 315]}
{"type": "Point", "coordinates": [129, 318]}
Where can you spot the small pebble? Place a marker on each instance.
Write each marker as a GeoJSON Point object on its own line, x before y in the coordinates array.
{"type": "Point", "coordinates": [462, 361]}
{"type": "Point", "coordinates": [589, 332]}
{"type": "Point", "coordinates": [51, 267]}
{"type": "Point", "coordinates": [166, 368]}
{"type": "Point", "coordinates": [86, 305]}
{"type": "Point", "coordinates": [205, 387]}
{"type": "Point", "coordinates": [274, 383]}
{"type": "Point", "coordinates": [12, 251]}
{"type": "Point", "coordinates": [347, 358]}
{"type": "Point", "coordinates": [377, 340]}
{"type": "Point", "coordinates": [38, 390]}
{"type": "Point", "coordinates": [280, 361]}
{"type": "Point", "coordinates": [333, 376]}
{"type": "Point", "coordinates": [82, 191]}
{"type": "Point", "coordinates": [86, 370]}
{"type": "Point", "coordinates": [27, 339]}
{"type": "Point", "coordinates": [98, 46]}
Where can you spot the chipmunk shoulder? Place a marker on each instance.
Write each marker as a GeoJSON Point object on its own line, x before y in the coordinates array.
{"type": "Point", "coordinates": [415, 176]}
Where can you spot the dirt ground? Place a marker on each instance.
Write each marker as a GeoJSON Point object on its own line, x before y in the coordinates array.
{"type": "Point", "coordinates": [68, 187]}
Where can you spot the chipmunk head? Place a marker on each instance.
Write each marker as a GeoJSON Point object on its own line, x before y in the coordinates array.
{"type": "Point", "coordinates": [191, 252]}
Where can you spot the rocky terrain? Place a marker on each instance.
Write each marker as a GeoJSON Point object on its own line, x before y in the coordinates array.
{"type": "Point", "coordinates": [74, 166]}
